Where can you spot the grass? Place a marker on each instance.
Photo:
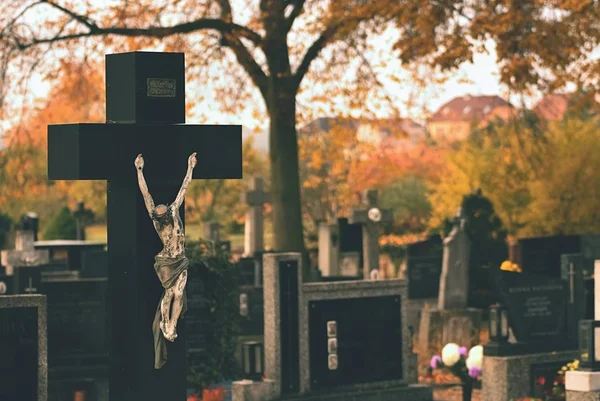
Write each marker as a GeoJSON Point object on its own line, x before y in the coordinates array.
{"type": "Point", "coordinates": [97, 232]}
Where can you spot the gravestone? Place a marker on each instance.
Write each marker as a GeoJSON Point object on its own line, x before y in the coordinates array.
{"type": "Point", "coordinates": [340, 249]}
{"type": "Point", "coordinates": [30, 221]}
{"type": "Point", "coordinates": [23, 361]}
{"type": "Point", "coordinates": [211, 231]}
{"type": "Point", "coordinates": [145, 112]}
{"type": "Point", "coordinates": [423, 275]}
{"type": "Point", "coordinates": [24, 263]}
{"type": "Point", "coordinates": [368, 345]}
{"type": "Point", "coordinates": [83, 217]}
{"type": "Point", "coordinates": [77, 331]}
{"type": "Point", "coordinates": [255, 198]}
{"type": "Point", "coordinates": [537, 306]}
{"type": "Point", "coordinates": [453, 321]}
{"type": "Point", "coordinates": [542, 255]}
{"type": "Point", "coordinates": [332, 340]}
{"type": "Point", "coordinates": [370, 219]}
{"type": "Point", "coordinates": [572, 272]}
{"type": "Point", "coordinates": [454, 280]}
{"type": "Point", "coordinates": [94, 264]}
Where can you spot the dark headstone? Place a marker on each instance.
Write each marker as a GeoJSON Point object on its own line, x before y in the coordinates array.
{"type": "Point", "coordinates": [94, 263]}
{"type": "Point", "coordinates": [424, 276]}
{"type": "Point", "coordinates": [27, 280]}
{"type": "Point", "coordinates": [369, 341]}
{"type": "Point", "coordinates": [250, 271]}
{"type": "Point", "coordinates": [542, 255]}
{"type": "Point", "coordinates": [430, 247]}
{"type": "Point", "coordinates": [536, 308]}
{"type": "Point", "coordinates": [76, 326]}
{"type": "Point", "coordinates": [572, 273]}
{"type": "Point", "coordinates": [23, 374]}
{"type": "Point", "coordinates": [288, 326]}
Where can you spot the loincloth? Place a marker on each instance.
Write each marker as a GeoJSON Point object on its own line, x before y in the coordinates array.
{"type": "Point", "coordinates": [168, 271]}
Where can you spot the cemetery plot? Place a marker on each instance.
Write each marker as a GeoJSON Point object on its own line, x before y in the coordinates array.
{"type": "Point", "coordinates": [368, 346]}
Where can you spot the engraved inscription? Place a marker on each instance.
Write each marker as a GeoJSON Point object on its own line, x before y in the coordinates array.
{"type": "Point", "coordinates": [161, 87]}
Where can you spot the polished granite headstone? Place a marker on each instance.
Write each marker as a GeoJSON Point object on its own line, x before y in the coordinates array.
{"type": "Point", "coordinates": [23, 361]}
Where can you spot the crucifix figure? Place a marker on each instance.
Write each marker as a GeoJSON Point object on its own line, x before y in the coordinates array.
{"type": "Point", "coordinates": [170, 264]}
{"type": "Point", "coordinates": [370, 219]}
{"type": "Point", "coordinates": [145, 113]}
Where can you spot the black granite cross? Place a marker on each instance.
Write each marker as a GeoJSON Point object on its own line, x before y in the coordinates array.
{"type": "Point", "coordinates": [370, 219]}
{"type": "Point", "coordinates": [145, 112]}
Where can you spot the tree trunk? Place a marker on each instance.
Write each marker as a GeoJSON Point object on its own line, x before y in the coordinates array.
{"type": "Point", "coordinates": [285, 175]}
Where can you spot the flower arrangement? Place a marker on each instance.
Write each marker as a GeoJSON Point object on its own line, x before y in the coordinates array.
{"type": "Point", "coordinates": [508, 266]}
{"type": "Point", "coordinates": [464, 365]}
{"type": "Point", "coordinates": [553, 389]}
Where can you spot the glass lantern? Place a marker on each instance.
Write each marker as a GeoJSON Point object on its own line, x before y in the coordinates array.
{"type": "Point", "coordinates": [589, 345]}
{"type": "Point", "coordinates": [498, 323]}
{"type": "Point", "coordinates": [252, 360]}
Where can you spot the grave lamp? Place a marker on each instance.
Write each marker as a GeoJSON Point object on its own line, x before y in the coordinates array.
{"type": "Point", "coordinates": [498, 323]}
{"type": "Point", "coordinates": [589, 351]}
{"type": "Point", "coordinates": [252, 360]}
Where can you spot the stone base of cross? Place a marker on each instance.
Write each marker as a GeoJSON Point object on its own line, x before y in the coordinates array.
{"type": "Point", "coordinates": [370, 218]}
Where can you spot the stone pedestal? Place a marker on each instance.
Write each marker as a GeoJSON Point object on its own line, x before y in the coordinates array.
{"type": "Point", "coordinates": [440, 327]}
{"type": "Point", "coordinates": [413, 368]}
{"type": "Point", "coordinates": [508, 377]}
{"type": "Point", "coordinates": [582, 386]}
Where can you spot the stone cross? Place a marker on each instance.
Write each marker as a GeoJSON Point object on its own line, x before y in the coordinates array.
{"type": "Point", "coordinates": [454, 280]}
{"type": "Point", "coordinates": [211, 231]}
{"type": "Point", "coordinates": [370, 218]}
{"type": "Point", "coordinates": [256, 197]}
{"type": "Point", "coordinates": [24, 255]}
{"type": "Point", "coordinates": [145, 113]}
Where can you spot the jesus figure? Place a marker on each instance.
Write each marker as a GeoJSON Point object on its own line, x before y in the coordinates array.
{"type": "Point", "coordinates": [171, 264]}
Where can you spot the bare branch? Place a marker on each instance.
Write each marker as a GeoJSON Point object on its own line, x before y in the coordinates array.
{"type": "Point", "coordinates": [296, 11]}
{"type": "Point", "coordinates": [313, 52]}
{"type": "Point", "coordinates": [80, 18]}
{"type": "Point", "coordinates": [242, 54]}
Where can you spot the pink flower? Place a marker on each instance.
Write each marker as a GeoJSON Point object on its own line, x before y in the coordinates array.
{"type": "Point", "coordinates": [463, 351]}
{"type": "Point", "coordinates": [436, 362]}
{"type": "Point", "coordinates": [474, 372]}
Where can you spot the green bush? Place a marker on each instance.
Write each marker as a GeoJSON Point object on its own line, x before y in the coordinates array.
{"type": "Point", "coordinates": [221, 283]}
{"type": "Point", "coordinates": [62, 226]}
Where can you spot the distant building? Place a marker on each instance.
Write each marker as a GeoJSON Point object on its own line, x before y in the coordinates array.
{"type": "Point", "coordinates": [453, 120]}
{"type": "Point", "coordinates": [402, 132]}
{"type": "Point", "coordinates": [552, 107]}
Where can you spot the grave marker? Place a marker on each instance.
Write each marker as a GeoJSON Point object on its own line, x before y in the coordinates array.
{"type": "Point", "coordinates": [145, 112]}
{"type": "Point", "coordinates": [23, 365]}
{"type": "Point", "coordinates": [24, 263]}
{"type": "Point", "coordinates": [255, 198]}
{"type": "Point", "coordinates": [370, 218]}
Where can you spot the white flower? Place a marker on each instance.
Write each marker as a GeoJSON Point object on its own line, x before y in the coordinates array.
{"type": "Point", "coordinates": [474, 361]}
{"type": "Point", "coordinates": [450, 354]}
{"type": "Point", "coordinates": [475, 357]}
{"type": "Point", "coordinates": [476, 350]}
